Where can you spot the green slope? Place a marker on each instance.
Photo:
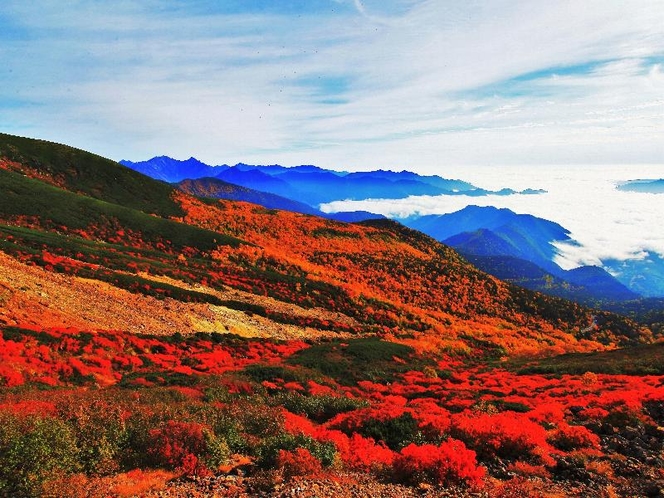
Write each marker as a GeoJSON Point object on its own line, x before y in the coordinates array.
{"type": "Point", "coordinates": [91, 175]}
{"type": "Point", "coordinates": [638, 360]}
{"type": "Point", "coordinates": [54, 207]}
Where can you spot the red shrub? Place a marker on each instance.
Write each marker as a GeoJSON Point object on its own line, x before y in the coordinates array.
{"type": "Point", "coordinates": [297, 424]}
{"type": "Point", "coordinates": [593, 414]}
{"type": "Point", "coordinates": [449, 463]}
{"type": "Point", "coordinates": [299, 462]}
{"type": "Point", "coordinates": [10, 377]}
{"type": "Point", "coordinates": [30, 407]}
{"type": "Point", "coordinates": [573, 437]}
{"type": "Point", "coordinates": [175, 443]}
{"type": "Point", "coordinates": [432, 420]}
{"type": "Point", "coordinates": [528, 470]}
{"type": "Point", "coordinates": [358, 452]}
{"type": "Point", "coordinates": [551, 413]}
{"type": "Point", "coordinates": [506, 435]}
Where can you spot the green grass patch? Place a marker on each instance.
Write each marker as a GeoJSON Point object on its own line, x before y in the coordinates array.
{"type": "Point", "coordinates": [92, 175]}
{"type": "Point", "coordinates": [23, 196]}
{"type": "Point", "coordinates": [350, 361]}
{"type": "Point", "coordinates": [17, 334]}
{"type": "Point", "coordinates": [320, 408]}
{"type": "Point", "coordinates": [161, 378]}
{"type": "Point", "coordinates": [637, 360]}
{"type": "Point", "coordinates": [259, 373]}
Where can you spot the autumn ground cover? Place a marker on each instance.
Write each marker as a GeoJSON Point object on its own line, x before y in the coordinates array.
{"type": "Point", "coordinates": [81, 408]}
{"type": "Point", "coordinates": [153, 342]}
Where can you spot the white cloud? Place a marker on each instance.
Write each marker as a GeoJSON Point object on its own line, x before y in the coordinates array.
{"type": "Point", "coordinates": [605, 222]}
{"type": "Point", "coordinates": [427, 83]}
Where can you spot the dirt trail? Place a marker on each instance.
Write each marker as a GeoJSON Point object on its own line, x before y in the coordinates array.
{"type": "Point", "coordinates": [30, 295]}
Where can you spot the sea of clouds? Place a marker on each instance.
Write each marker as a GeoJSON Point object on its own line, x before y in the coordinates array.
{"type": "Point", "coordinates": [604, 223]}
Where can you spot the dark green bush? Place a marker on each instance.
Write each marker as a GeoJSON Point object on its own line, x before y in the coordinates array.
{"type": "Point", "coordinates": [260, 373]}
{"type": "Point", "coordinates": [318, 408]}
{"type": "Point", "coordinates": [396, 433]}
{"type": "Point", "coordinates": [357, 359]}
{"type": "Point", "coordinates": [33, 450]}
{"type": "Point", "coordinates": [268, 450]}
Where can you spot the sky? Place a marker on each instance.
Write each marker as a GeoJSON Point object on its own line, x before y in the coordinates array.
{"type": "Point", "coordinates": [422, 85]}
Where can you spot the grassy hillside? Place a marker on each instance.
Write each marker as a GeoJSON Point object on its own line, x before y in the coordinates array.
{"type": "Point", "coordinates": [51, 207]}
{"type": "Point", "coordinates": [89, 174]}
{"type": "Point", "coordinates": [640, 360]}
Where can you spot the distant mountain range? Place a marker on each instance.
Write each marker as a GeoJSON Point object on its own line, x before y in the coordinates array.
{"type": "Point", "coordinates": [310, 184]}
{"type": "Point", "coordinates": [647, 186]}
{"type": "Point", "coordinates": [645, 275]}
{"type": "Point", "coordinates": [489, 231]}
{"type": "Point", "coordinates": [519, 248]}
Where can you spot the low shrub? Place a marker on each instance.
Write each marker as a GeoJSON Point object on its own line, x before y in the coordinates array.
{"type": "Point", "coordinates": [268, 450]}
{"type": "Point", "coordinates": [449, 463]}
{"type": "Point", "coordinates": [298, 462]}
{"type": "Point", "coordinates": [573, 437]}
{"type": "Point", "coordinates": [33, 451]}
{"type": "Point", "coordinates": [188, 446]}
{"type": "Point", "coordinates": [394, 432]}
{"type": "Point", "coordinates": [319, 408]}
{"type": "Point", "coordinates": [505, 435]}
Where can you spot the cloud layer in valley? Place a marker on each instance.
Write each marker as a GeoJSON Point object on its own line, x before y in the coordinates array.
{"type": "Point", "coordinates": [607, 223]}
{"type": "Point", "coordinates": [346, 84]}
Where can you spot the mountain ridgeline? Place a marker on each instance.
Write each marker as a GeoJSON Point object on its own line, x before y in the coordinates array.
{"type": "Point", "coordinates": [520, 248]}
{"type": "Point", "coordinates": [310, 184]}
{"type": "Point", "coordinates": [213, 188]}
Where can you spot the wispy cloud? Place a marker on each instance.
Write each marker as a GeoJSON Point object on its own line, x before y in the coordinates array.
{"type": "Point", "coordinates": [350, 84]}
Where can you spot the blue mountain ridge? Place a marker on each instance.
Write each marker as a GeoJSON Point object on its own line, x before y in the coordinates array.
{"type": "Point", "coordinates": [518, 248]}
{"type": "Point", "coordinates": [589, 285]}
{"type": "Point", "coordinates": [644, 275]}
{"type": "Point", "coordinates": [171, 170]}
{"type": "Point", "coordinates": [311, 184]}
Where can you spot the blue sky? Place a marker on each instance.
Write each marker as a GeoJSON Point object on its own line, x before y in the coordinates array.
{"type": "Point", "coordinates": [345, 84]}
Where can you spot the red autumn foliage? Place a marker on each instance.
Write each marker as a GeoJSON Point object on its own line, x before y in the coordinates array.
{"type": "Point", "coordinates": [358, 452]}
{"type": "Point", "coordinates": [573, 437]}
{"type": "Point", "coordinates": [299, 462]}
{"type": "Point", "coordinates": [505, 435]}
{"type": "Point", "coordinates": [449, 463]}
{"type": "Point", "coordinates": [178, 445]}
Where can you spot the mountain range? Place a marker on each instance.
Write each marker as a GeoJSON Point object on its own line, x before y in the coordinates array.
{"type": "Point", "coordinates": [310, 184]}
{"type": "Point", "coordinates": [520, 248]}
{"type": "Point", "coordinates": [485, 235]}
{"type": "Point", "coordinates": [213, 188]}
{"type": "Point", "coordinates": [488, 231]}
